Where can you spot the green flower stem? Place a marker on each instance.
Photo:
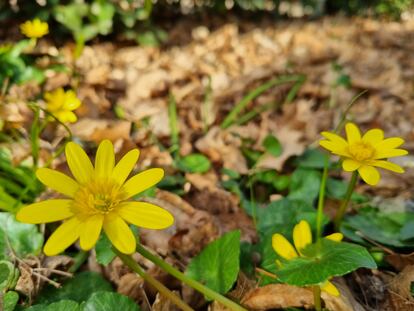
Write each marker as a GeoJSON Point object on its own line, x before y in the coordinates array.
{"type": "Point", "coordinates": [209, 293]}
{"type": "Point", "coordinates": [317, 297]}
{"type": "Point", "coordinates": [321, 200]}
{"type": "Point", "coordinates": [79, 259]}
{"type": "Point", "coordinates": [134, 266]}
{"type": "Point", "coordinates": [344, 204]}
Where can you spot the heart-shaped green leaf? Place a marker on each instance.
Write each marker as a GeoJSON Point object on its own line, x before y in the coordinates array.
{"type": "Point", "coordinates": [24, 239]}
{"type": "Point", "coordinates": [194, 163]}
{"type": "Point", "coordinates": [217, 266]}
{"type": "Point", "coordinates": [108, 301]}
{"type": "Point", "coordinates": [323, 261]}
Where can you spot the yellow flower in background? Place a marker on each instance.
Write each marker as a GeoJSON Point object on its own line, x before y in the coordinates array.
{"type": "Point", "coordinates": [61, 104]}
{"type": "Point", "coordinates": [302, 237]}
{"type": "Point", "coordinates": [98, 198]}
{"type": "Point", "coordinates": [366, 152]}
{"type": "Point", "coordinates": [34, 28]}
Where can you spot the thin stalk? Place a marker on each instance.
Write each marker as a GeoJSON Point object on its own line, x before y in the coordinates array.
{"type": "Point", "coordinates": [134, 266]}
{"type": "Point", "coordinates": [172, 116]}
{"type": "Point", "coordinates": [209, 293]}
{"type": "Point", "coordinates": [252, 200]}
{"type": "Point", "coordinates": [345, 201]}
{"type": "Point", "coordinates": [321, 200]}
{"type": "Point", "coordinates": [317, 298]}
{"type": "Point", "coordinates": [231, 118]}
{"type": "Point", "coordinates": [79, 259]}
{"type": "Point", "coordinates": [34, 138]}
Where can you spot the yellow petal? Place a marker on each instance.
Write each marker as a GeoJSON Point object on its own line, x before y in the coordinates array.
{"type": "Point", "coordinates": [119, 233]}
{"type": "Point", "coordinates": [389, 143]}
{"type": "Point", "coordinates": [350, 165]}
{"type": "Point", "coordinates": [352, 133]}
{"type": "Point", "coordinates": [336, 139]}
{"type": "Point", "coordinates": [369, 174]}
{"type": "Point", "coordinates": [90, 231]}
{"type": "Point", "coordinates": [63, 237]}
{"type": "Point", "coordinates": [71, 101]}
{"type": "Point", "coordinates": [65, 116]}
{"type": "Point", "coordinates": [105, 159]}
{"type": "Point", "coordinates": [143, 181]}
{"type": "Point", "coordinates": [329, 288]}
{"type": "Point", "coordinates": [125, 166]}
{"type": "Point", "coordinates": [373, 136]}
{"type": "Point", "coordinates": [45, 211]}
{"type": "Point", "coordinates": [145, 215]}
{"type": "Point", "coordinates": [283, 247]}
{"type": "Point", "coordinates": [389, 153]}
{"type": "Point", "coordinates": [57, 181]}
{"type": "Point", "coordinates": [331, 146]}
{"type": "Point", "coordinates": [337, 237]}
{"type": "Point", "coordinates": [302, 235]}
{"type": "Point", "coordinates": [79, 163]}
{"type": "Point", "coordinates": [388, 166]}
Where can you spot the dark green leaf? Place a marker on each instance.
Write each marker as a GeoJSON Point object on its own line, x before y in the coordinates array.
{"type": "Point", "coordinates": [10, 300]}
{"type": "Point", "coordinates": [323, 261]}
{"type": "Point", "coordinates": [385, 228]}
{"type": "Point", "coordinates": [272, 145]}
{"type": "Point", "coordinates": [304, 185]}
{"type": "Point", "coordinates": [107, 301]}
{"type": "Point", "coordinates": [217, 266]}
{"type": "Point", "coordinates": [194, 163]}
{"type": "Point", "coordinates": [63, 305]}
{"type": "Point", "coordinates": [103, 249]}
{"type": "Point", "coordinates": [79, 289]}
{"type": "Point", "coordinates": [25, 239]}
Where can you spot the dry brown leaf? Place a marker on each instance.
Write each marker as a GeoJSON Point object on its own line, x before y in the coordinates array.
{"type": "Point", "coordinates": [400, 261]}
{"type": "Point", "coordinates": [97, 130]}
{"type": "Point", "coordinates": [275, 296]}
{"type": "Point", "coordinates": [399, 290]}
{"type": "Point", "coordinates": [162, 303]}
{"type": "Point", "coordinates": [292, 144]}
{"type": "Point", "coordinates": [222, 146]}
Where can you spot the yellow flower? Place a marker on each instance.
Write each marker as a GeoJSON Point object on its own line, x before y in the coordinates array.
{"type": "Point", "coordinates": [61, 104]}
{"type": "Point", "coordinates": [366, 152]}
{"type": "Point", "coordinates": [34, 29]}
{"type": "Point", "coordinates": [302, 237]}
{"type": "Point", "coordinates": [97, 198]}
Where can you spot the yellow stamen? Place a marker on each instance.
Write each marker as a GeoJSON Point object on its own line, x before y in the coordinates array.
{"type": "Point", "coordinates": [361, 151]}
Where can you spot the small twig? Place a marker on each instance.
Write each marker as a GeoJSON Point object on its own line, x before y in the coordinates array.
{"type": "Point", "coordinates": [384, 248]}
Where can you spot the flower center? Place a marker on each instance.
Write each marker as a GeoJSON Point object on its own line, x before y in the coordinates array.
{"type": "Point", "coordinates": [361, 151]}
{"type": "Point", "coordinates": [98, 196]}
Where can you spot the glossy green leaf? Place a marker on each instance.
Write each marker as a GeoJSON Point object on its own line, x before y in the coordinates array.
{"type": "Point", "coordinates": [108, 301]}
{"type": "Point", "coordinates": [63, 305]}
{"type": "Point", "coordinates": [272, 145]}
{"type": "Point", "coordinates": [194, 163]}
{"type": "Point", "coordinates": [304, 185]}
{"type": "Point", "coordinates": [320, 262]}
{"type": "Point", "coordinates": [10, 300]}
{"type": "Point", "coordinates": [103, 249]}
{"type": "Point", "coordinates": [79, 288]}
{"type": "Point", "coordinates": [217, 266]}
{"type": "Point", "coordinates": [24, 239]}
{"type": "Point", "coordinates": [387, 228]}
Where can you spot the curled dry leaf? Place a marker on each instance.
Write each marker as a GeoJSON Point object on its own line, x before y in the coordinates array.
{"type": "Point", "coordinates": [400, 297]}
{"type": "Point", "coordinates": [276, 296]}
{"type": "Point", "coordinates": [293, 144]}
{"type": "Point", "coordinates": [222, 146]}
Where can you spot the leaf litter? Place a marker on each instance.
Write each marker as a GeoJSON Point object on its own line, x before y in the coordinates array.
{"type": "Point", "coordinates": [208, 76]}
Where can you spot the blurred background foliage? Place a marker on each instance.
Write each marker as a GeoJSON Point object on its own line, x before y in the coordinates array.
{"type": "Point", "coordinates": [87, 19]}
